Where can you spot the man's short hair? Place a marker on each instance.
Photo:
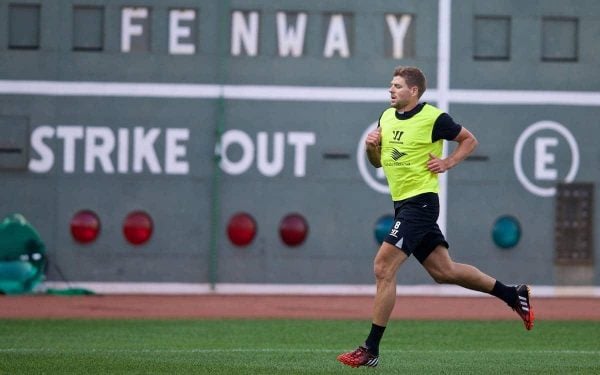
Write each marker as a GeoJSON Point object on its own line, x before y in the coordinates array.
{"type": "Point", "coordinates": [413, 77]}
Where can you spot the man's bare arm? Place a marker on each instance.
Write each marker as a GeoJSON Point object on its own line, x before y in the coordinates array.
{"type": "Point", "coordinates": [466, 145]}
{"type": "Point", "coordinates": [373, 147]}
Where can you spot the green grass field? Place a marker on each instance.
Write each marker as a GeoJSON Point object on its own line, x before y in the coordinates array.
{"type": "Point", "coordinates": [293, 347]}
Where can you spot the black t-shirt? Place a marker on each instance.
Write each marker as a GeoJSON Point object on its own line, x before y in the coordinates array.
{"type": "Point", "coordinates": [444, 127]}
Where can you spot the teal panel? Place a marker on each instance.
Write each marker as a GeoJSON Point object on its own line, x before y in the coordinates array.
{"type": "Point", "coordinates": [116, 153]}
{"type": "Point", "coordinates": [560, 39]}
{"type": "Point", "coordinates": [24, 26]}
{"type": "Point", "coordinates": [88, 28]}
{"type": "Point", "coordinates": [481, 190]}
{"type": "Point", "coordinates": [526, 69]}
{"type": "Point", "coordinates": [491, 38]}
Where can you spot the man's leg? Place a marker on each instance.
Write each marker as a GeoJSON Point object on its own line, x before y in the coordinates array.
{"type": "Point", "coordinates": [445, 271]}
{"type": "Point", "coordinates": [386, 264]}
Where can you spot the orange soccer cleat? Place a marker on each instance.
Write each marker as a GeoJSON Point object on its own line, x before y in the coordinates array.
{"type": "Point", "coordinates": [523, 306]}
{"type": "Point", "coordinates": [359, 357]}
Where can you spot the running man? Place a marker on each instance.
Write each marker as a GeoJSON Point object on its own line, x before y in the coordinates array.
{"type": "Point", "coordinates": [408, 145]}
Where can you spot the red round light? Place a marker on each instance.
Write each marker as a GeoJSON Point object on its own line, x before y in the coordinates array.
{"type": "Point", "coordinates": [85, 226]}
{"type": "Point", "coordinates": [293, 229]}
{"type": "Point", "coordinates": [137, 227]}
{"type": "Point", "coordinates": [241, 229]}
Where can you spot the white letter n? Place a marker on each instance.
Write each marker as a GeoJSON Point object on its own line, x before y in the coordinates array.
{"type": "Point", "coordinates": [244, 33]}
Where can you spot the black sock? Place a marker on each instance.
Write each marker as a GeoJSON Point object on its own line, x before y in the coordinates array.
{"type": "Point", "coordinates": [375, 335]}
{"type": "Point", "coordinates": [507, 294]}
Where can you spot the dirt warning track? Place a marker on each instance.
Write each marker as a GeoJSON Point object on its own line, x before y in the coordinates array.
{"type": "Point", "coordinates": [285, 306]}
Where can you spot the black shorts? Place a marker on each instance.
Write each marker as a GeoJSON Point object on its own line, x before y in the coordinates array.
{"type": "Point", "coordinates": [415, 230]}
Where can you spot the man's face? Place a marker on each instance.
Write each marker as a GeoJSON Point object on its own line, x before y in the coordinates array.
{"type": "Point", "coordinates": [400, 94]}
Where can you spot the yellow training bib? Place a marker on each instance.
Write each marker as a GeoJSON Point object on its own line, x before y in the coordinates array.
{"type": "Point", "coordinates": [405, 148]}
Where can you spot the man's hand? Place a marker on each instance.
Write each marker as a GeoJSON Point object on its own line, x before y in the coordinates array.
{"type": "Point", "coordinates": [466, 144]}
{"type": "Point", "coordinates": [437, 165]}
{"type": "Point", "coordinates": [374, 138]}
{"type": "Point", "coordinates": [372, 145]}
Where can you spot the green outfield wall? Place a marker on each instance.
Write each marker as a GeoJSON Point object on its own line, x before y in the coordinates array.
{"type": "Point", "coordinates": [192, 112]}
